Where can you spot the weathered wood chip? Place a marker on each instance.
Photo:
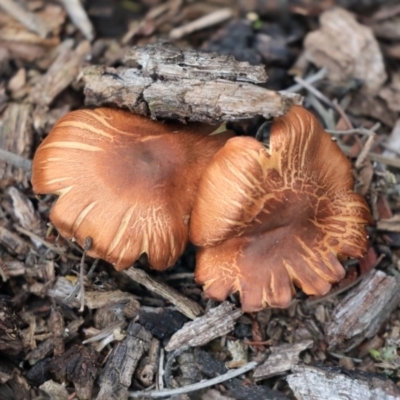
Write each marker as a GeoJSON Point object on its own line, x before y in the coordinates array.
{"type": "Point", "coordinates": [217, 322]}
{"type": "Point", "coordinates": [281, 359]}
{"type": "Point", "coordinates": [362, 312]}
{"type": "Point", "coordinates": [312, 383]}
{"type": "Point", "coordinates": [162, 81]}
{"type": "Point", "coordinates": [390, 224]}
{"type": "Point", "coordinates": [118, 371]}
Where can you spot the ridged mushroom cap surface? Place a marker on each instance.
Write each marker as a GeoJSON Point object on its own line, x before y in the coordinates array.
{"type": "Point", "coordinates": [125, 181]}
{"type": "Point", "coordinates": [266, 220]}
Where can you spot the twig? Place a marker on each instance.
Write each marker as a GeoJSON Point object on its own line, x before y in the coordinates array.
{"type": "Point", "coordinates": [393, 162]}
{"type": "Point", "coordinates": [15, 160]}
{"type": "Point", "coordinates": [326, 115]}
{"type": "Point", "coordinates": [86, 247]}
{"type": "Point", "coordinates": [196, 386]}
{"type": "Point", "coordinates": [25, 17]}
{"type": "Point", "coordinates": [185, 305]}
{"type": "Point", "coordinates": [365, 151]}
{"type": "Point", "coordinates": [79, 17]}
{"type": "Point", "coordinates": [314, 78]}
{"type": "Point", "coordinates": [160, 380]}
{"type": "Point", "coordinates": [208, 20]}
{"type": "Point", "coordinates": [72, 295]}
{"type": "Point", "coordinates": [361, 131]}
{"type": "Point", "coordinates": [45, 243]}
{"type": "Point", "coordinates": [319, 95]}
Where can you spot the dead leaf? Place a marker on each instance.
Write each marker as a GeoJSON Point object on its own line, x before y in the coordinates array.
{"type": "Point", "coordinates": [347, 49]}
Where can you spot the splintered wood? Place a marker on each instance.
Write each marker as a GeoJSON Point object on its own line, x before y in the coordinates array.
{"type": "Point", "coordinates": [281, 359]}
{"type": "Point", "coordinates": [311, 383]}
{"type": "Point", "coordinates": [164, 82]}
{"type": "Point", "coordinates": [363, 311]}
{"type": "Point", "coordinates": [185, 305]}
{"type": "Point", "coordinates": [117, 374]}
{"type": "Point", "coordinates": [217, 322]}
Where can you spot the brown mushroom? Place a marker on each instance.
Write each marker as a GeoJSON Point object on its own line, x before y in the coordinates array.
{"type": "Point", "coordinates": [268, 219]}
{"type": "Point", "coordinates": [125, 181]}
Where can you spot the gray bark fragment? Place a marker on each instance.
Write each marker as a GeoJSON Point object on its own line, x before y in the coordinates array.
{"type": "Point", "coordinates": [281, 359]}
{"type": "Point", "coordinates": [217, 322]}
{"type": "Point", "coordinates": [311, 383]}
{"type": "Point", "coordinates": [363, 311]}
{"type": "Point", "coordinates": [162, 81]}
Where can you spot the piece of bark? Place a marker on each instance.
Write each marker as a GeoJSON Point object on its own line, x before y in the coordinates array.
{"type": "Point", "coordinates": [61, 73]}
{"type": "Point", "coordinates": [16, 136]}
{"type": "Point", "coordinates": [13, 243]}
{"type": "Point", "coordinates": [121, 365]}
{"type": "Point", "coordinates": [391, 93]}
{"type": "Point", "coordinates": [347, 49]}
{"type": "Point", "coordinates": [165, 82]}
{"type": "Point", "coordinates": [361, 313]}
{"type": "Point", "coordinates": [10, 343]}
{"type": "Point", "coordinates": [168, 61]}
{"type": "Point", "coordinates": [312, 383]}
{"type": "Point", "coordinates": [43, 350]}
{"type": "Point", "coordinates": [77, 365]}
{"type": "Point", "coordinates": [216, 322]}
{"type": "Point", "coordinates": [211, 367]}
{"type": "Point", "coordinates": [20, 387]}
{"type": "Point", "coordinates": [96, 299]}
{"type": "Point", "coordinates": [239, 353]}
{"type": "Point", "coordinates": [373, 108]}
{"type": "Point", "coordinates": [26, 45]}
{"type": "Point", "coordinates": [281, 359]}
{"type": "Point", "coordinates": [55, 390]}
{"type": "Point", "coordinates": [6, 372]}
{"type": "Point", "coordinates": [12, 268]}
{"type": "Point", "coordinates": [389, 224]}
{"type": "Point", "coordinates": [25, 213]}
{"type": "Point", "coordinates": [149, 365]}
{"type": "Point", "coordinates": [57, 327]}
{"type": "Point", "coordinates": [185, 305]}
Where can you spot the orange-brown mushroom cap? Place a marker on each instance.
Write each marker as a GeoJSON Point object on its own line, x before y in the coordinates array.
{"type": "Point", "coordinates": [265, 220]}
{"type": "Point", "coordinates": [125, 181]}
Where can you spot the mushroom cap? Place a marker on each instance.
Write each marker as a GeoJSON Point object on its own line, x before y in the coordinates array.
{"type": "Point", "coordinates": [125, 181]}
{"type": "Point", "coordinates": [269, 220]}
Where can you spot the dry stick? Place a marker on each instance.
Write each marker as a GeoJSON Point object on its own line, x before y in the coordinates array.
{"type": "Point", "coordinates": [45, 243]}
{"type": "Point", "coordinates": [15, 160]}
{"type": "Point", "coordinates": [79, 17]}
{"type": "Point", "coordinates": [185, 305]}
{"type": "Point", "coordinates": [322, 97]}
{"type": "Point", "coordinates": [314, 78]}
{"type": "Point", "coordinates": [365, 151]}
{"type": "Point", "coordinates": [326, 115]}
{"type": "Point", "coordinates": [160, 380]}
{"type": "Point", "coordinates": [393, 162]}
{"type": "Point", "coordinates": [68, 300]}
{"type": "Point", "coordinates": [361, 131]}
{"type": "Point", "coordinates": [196, 386]}
{"type": "Point", "coordinates": [208, 20]}
{"type": "Point", "coordinates": [86, 247]}
{"type": "Point", "coordinates": [25, 17]}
